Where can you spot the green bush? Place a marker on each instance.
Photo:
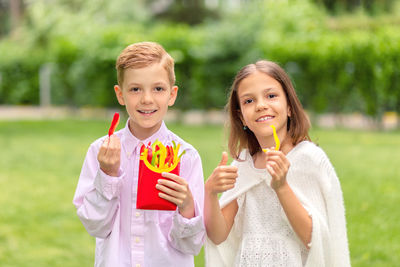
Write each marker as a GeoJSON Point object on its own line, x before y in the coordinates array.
{"type": "Point", "coordinates": [334, 69]}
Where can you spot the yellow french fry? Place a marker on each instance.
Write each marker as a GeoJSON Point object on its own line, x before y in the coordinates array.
{"type": "Point", "coordinates": [277, 142]}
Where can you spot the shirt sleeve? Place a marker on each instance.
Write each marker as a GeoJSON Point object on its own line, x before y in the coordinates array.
{"type": "Point", "coordinates": [188, 235]}
{"type": "Point", "coordinates": [97, 196]}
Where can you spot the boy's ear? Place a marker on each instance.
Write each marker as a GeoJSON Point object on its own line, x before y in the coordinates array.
{"type": "Point", "coordinates": [173, 95]}
{"type": "Point", "coordinates": [118, 93]}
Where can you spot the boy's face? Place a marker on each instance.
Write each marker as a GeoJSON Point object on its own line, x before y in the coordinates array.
{"type": "Point", "coordinates": [146, 93]}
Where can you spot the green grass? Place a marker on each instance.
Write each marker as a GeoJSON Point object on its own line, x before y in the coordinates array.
{"type": "Point", "coordinates": [40, 163]}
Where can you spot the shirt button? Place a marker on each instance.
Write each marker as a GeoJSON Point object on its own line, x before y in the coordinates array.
{"type": "Point", "coordinates": [137, 239]}
{"type": "Point", "coordinates": [137, 265]}
{"type": "Point", "coordinates": [128, 154]}
{"type": "Point", "coordinates": [137, 214]}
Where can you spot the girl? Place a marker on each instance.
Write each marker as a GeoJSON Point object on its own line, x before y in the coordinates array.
{"type": "Point", "coordinates": [280, 207]}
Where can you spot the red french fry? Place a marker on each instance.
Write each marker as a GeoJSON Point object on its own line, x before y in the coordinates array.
{"type": "Point", "coordinates": [141, 149]}
{"type": "Point", "coordinates": [149, 154]}
{"type": "Point", "coordinates": [114, 124]}
{"type": "Point", "coordinates": [169, 157]}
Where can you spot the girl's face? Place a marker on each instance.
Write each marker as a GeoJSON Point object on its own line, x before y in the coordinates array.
{"type": "Point", "coordinates": [263, 103]}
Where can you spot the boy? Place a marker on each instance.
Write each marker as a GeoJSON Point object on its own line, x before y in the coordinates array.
{"type": "Point", "coordinates": [106, 194]}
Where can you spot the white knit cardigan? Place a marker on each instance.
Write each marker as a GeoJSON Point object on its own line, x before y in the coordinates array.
{"type": "Point", "coordinates": [310, 171]}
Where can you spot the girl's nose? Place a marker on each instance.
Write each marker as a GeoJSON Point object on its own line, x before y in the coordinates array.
{"type": "Point", "coordinates": [261, 105]}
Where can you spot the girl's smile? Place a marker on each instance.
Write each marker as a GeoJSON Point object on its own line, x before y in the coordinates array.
{"type": "Point", "coordinates": [265, 118]}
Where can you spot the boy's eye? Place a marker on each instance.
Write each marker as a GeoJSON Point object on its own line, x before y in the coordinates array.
{"type": "Point", "coordinates": [159, 89]}
{"type": "Point", "coordinates": [135, 89]}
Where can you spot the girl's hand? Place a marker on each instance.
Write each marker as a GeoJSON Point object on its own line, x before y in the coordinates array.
{"type": "Point", "coordinates": [177, 191]}
{"type": "Point", "coordinates": [278, 166]}
{"type": "Point", "coordinates": [109, 156]}
{"type": "Point", "coordinates": [223, 177]}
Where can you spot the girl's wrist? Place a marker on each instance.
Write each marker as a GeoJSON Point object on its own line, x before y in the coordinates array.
{"type": "Point", "coordinates": [209, 192]}
{"type": "Point", "coordinates": [282, 189]}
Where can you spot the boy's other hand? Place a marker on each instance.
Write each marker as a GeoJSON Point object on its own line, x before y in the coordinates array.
{"type": "Point", "coordinates": [109, 156]}
{"type": "Point", "coordinates": [223, 177]}
{"type": "Point", "coordinates": [178, 192]}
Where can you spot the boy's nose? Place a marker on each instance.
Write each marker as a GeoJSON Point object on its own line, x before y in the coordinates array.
{"type": "Point", "coordinates": [146, 97]}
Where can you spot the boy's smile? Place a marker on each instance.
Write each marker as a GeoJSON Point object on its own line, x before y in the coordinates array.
{"type": "Point", "coordinates": [263, 103]}
{"type": "Point", "coordinates": [146, 93]}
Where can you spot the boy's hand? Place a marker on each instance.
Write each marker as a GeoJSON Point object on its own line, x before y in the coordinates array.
{"type": "Point", "coordinates": [223, 177]}
{"type": "Point", "coordinates": [177, 191]}
{"type": "Point", "coordinates": [109, 156]}
{"type": "Point", "coordinates": [278, 166]}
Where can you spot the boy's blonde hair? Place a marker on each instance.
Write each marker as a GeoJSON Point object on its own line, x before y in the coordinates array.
{"type": "Point", "coordinates": [141, 55]}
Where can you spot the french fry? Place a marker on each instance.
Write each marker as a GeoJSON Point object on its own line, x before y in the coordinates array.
{"type": "Point", "coordinates": [114, 124]}
{"type": "Point", "coordinates": [277, 142]}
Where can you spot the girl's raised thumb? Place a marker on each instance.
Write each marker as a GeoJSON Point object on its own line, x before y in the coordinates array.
{"type": "Point", "coordinates": [224, 159]}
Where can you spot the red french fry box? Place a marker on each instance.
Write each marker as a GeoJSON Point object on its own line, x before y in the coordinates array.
{"type": "Point", "coordinates": [147, 195]}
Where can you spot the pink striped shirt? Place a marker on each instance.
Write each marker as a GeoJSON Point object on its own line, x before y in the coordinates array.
{"type": "Point", "coordinates": [126, 236]}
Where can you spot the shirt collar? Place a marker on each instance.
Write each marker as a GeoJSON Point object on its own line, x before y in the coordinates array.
{"type": "Point", "coordinates": [130, 142]}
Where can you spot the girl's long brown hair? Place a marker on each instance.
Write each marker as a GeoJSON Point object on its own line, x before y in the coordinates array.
{"type": "Point", "coordinates": [298, 123]}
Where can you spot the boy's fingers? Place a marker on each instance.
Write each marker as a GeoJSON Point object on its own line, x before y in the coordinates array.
{"type": "Point", "coordinates": [169, 198]}
{"type": "Point", "coordinates": [168, 189]}
{"type": "Point", "coordinates": [224, 159]}
{"type": "Point", "coordinates": [174, 177]}
{"type": "Point", "coordinates": [103, 147]}
{"type": "Point", "coordinates": [114, 141]}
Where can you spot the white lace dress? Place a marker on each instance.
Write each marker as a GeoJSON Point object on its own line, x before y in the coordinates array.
{"type": "Point", "coordinates": [262, 235]}
{"type": "Point", "coordinates": [267, 239]}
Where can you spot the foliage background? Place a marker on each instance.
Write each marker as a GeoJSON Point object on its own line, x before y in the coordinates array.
{"type": "Point", "coordinates": [339, 63]}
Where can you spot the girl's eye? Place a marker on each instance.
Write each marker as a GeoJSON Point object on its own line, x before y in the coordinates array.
{"type": "Point", "coordinates": [159, 89]}
{"type": "Point", "coordinates": [248, 101]}
{"type": "Point", "coordinates": [271, 96]}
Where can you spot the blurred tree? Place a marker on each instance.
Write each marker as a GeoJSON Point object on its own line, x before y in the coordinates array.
{"type": "Point", "coordinates": [16, 13]}
{"type": "Point", "coordinates": [371, 6]}
{"type": "Point", "coordinates": [187, 11]}
{"type": "Point", "coordinates": [4, 21]}
{"type": "Point", "coordinates": [11, 16]}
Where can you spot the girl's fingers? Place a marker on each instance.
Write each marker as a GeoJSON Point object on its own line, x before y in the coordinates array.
{"type": "Point", "coordinates": [278, 163]}
{"type": "Point", "coordinates": [271, 171]}
{"type": "Point", "coordinates": [279, 158]}
{"type": "Point", "coordinates": [227, 168]}
{"type": "Point", "coordinates": [227, 181]}
{"type": "Point", "coordinates": [228, 187]}
{"type": "Point", "coordinates": [223, 176]}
